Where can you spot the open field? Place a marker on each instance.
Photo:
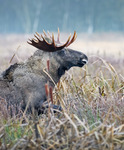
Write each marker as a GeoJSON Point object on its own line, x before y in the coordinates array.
{"type": "Point", "coordinates": [92, 99]}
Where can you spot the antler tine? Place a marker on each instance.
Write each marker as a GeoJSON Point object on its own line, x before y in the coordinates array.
{"type": "Point", "coordinates": [35, 40]}
{"type": "Point", "coordinates": [53, 41]}
{"type": "Point", "coordinates": [73, 39]}
{"type": "Point", "coordinates": [58, 38]}
{"type": "Point", "coordinates": [29, 41]}
{"type": "Point", "coordinates": [38, 34]}
{"type": "Point", "coordinates": [44, 33]}
{"type": "Point", "coordinates": [65, 45]}
{"type": "Point", "coordinates": [36, 37]}
{"type": "Point", "coordinates": [43, 39]}
{"type": "Point", "coordinates": [49, 34]}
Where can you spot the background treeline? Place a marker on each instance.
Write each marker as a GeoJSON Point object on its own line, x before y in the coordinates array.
{"type": "Point", "coordinates": [27, 16]}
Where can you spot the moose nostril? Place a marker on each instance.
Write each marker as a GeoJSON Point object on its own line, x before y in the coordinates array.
{"type": "Point", "coordinates": [85, 61]}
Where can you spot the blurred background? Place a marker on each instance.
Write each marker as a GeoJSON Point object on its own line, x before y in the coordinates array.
{"type": "Point", "coordinates": [27, 16]}
{"type": "Point", "coordinates": [98, 23]}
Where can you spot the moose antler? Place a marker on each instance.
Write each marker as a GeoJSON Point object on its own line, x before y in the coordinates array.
{"type": "Point", "coordinates": [48, 44]}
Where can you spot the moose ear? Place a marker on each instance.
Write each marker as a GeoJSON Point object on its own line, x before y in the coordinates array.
{"type": "Point", "coordinates": [48, 44]}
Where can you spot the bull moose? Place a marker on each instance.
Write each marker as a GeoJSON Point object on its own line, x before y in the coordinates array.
{"type": "Point", "coordinates": [24, 83]}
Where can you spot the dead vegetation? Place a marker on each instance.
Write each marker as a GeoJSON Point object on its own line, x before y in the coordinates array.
{"type": "Point", "coordinates": [92, 118]}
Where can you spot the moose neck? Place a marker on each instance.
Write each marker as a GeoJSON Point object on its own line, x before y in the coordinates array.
{"type": "Point", "coordinates": [38, 64]}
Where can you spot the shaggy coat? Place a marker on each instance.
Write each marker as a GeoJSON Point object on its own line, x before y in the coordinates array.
{"type": "Point", "coordinates": [25, 82]}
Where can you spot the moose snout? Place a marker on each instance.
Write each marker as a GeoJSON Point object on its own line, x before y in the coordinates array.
{"type": "Point", "coordinates": [84, 59]}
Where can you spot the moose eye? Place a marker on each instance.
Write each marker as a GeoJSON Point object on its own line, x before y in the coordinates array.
{"type": "Point", "coordinates": [62, 53]}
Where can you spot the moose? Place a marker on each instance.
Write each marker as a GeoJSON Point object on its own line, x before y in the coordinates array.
{"type": "Point", "coordinates": [24, 83]}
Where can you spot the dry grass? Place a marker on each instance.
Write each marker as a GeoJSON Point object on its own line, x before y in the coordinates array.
{"type": "Point", "coordinates": [92, 118]}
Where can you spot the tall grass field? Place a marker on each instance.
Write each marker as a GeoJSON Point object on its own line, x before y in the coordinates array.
{"type": "Point", "coordinates": [92, 99]}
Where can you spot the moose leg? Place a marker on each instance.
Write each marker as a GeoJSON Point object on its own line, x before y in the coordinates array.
{"type": "Point", "coordinates": [56, 107]}
{"type": "Point", "coordinates": [45, 107]}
